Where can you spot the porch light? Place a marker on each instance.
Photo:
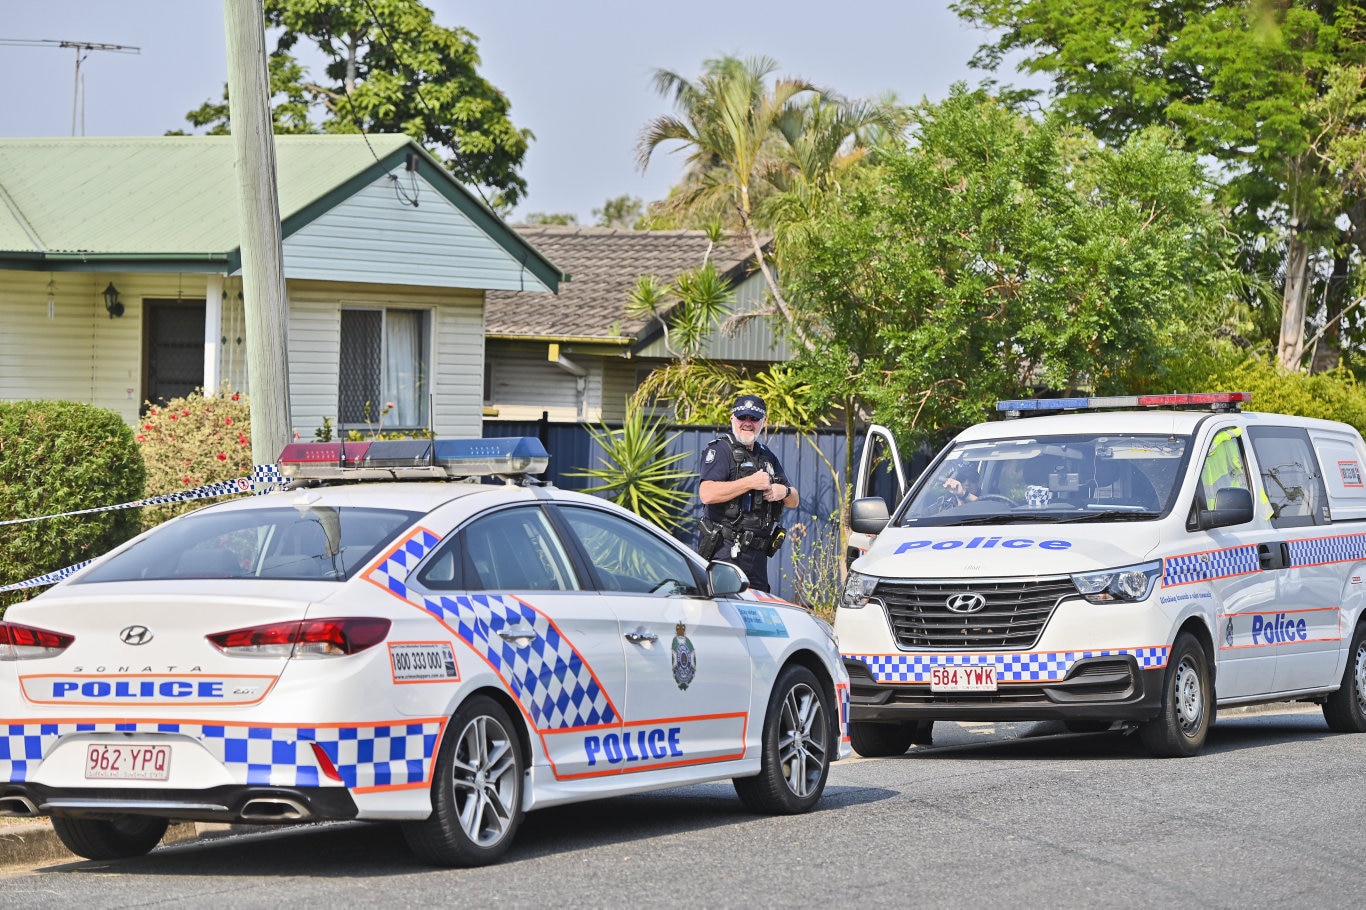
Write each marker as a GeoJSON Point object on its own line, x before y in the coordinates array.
{"type": "Point", "coordinates": [111, 301]}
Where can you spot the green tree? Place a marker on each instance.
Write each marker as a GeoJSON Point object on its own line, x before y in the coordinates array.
{"type": "Point", "coordinates": [623, 212]}
{"type": "Point", "coordinates": [997, 254]}
{"type": "Point", "coordinates": [565, 219]}
{"type": "Point", "coordinates": [638, 473]}
{"type": "Point", "coordinates": [1275, 90]}
{"type": "Point", "coordinates": [391, 69]}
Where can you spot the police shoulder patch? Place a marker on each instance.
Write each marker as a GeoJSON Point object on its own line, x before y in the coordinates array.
{"type": "Point", "coordinates": [711, 456]}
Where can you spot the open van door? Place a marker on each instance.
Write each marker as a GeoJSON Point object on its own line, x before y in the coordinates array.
{"type": "Point", "coordinates": [880, 473]}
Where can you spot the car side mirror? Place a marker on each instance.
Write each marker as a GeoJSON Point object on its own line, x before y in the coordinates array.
{"type": "Point", "coordinates": [726, 579]}
{"type": "Point", "coordinates": [868, 516]}
{"type": "Point", "coordinates": [1232, 506]}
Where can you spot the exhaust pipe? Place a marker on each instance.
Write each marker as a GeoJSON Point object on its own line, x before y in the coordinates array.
{"type": "Point", "coordinates": [18, 807]}
{"type": "Point", "coordinates": [273, 809]}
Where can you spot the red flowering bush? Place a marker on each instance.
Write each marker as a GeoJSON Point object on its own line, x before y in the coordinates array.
{"type": "Point", "coordinates": [190, 442]}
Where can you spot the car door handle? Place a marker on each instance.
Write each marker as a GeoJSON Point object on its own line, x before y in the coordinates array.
{"type": "Point", "coordinates": [1271, 555]}
{"type": "Point", "coordinates": [520, 636]}
{"type": "Point", "coordinates": [637, 638]}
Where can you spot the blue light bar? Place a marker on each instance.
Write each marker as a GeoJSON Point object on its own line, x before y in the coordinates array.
{"type": "Point", "coordinates": [500, 455]}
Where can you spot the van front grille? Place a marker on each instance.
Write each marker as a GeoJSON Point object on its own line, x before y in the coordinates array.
{"type": "Point", "coordinates": [1012, 614]}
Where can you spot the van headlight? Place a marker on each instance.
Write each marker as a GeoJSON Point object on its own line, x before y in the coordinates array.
{"type": "Point", "coordinates": [858, 590]}
{"type": "Point", "coordinates": [1127, 585]}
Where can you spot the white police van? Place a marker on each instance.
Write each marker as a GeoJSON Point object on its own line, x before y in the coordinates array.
{"type": "Point", "coordinates": [1145, 560]}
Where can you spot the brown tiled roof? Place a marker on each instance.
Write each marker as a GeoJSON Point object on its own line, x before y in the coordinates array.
{"type": "Point", "coordinates": [604, 265]}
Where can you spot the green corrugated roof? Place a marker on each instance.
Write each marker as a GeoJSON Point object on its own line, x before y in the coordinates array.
{"type": "Point", "coordinates": [131, 202]}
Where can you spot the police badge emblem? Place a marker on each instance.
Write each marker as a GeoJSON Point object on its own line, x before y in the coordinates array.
{"type": "Point", "coordinates": [683, 657]}
{"type": "Point", "coordinates": [711, 456]}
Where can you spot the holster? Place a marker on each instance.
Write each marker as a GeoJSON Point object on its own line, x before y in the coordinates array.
{"type": "Point", "coordinates": [708, 538]}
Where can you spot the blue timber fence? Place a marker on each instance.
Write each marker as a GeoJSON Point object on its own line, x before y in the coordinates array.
{"type": "Point", "coordinates": [813, 462]}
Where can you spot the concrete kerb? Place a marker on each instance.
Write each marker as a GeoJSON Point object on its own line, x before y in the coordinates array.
{"type": "Point", "coordinates": [36, 844]}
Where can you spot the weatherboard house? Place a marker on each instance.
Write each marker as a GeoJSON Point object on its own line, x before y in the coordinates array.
{"type": "Point", "coordinates": [120, 277]}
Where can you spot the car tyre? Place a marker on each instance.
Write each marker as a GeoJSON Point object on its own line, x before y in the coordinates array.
{"type": "Point", "coordinates": [798, 746]}
{"type": "Point", "coordinates": [875, 740]}
{"type": "Point", "coordinates": [120, 837]}
{"type": "Point", "coordinates": [476, 792]}
{"type": "Point", "coordinates": [1183, 723]}
{"type": "Point", "coordinates": [1345, 709]}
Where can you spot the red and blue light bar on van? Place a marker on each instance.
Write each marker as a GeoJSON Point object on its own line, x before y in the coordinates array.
{"type": "Point", "coordinates": [414, 459]}
{"type": "Point", "coordinates": [1215, 401]}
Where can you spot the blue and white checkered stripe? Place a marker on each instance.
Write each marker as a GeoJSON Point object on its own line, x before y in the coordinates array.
{"type": "Point", "coordinates": [1322, 550]}
{"type": "Point", "coordinates": [383, 755]}
{"type": "Point", "coordinates": [1041, 666]}
{"type": "Point", "coordinates": [549, 676]}
{"type": "Point", "coordinates": [1192, 567]}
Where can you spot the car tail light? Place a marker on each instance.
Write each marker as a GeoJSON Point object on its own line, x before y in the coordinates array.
{"type": "Point", "coordinates": [25, 643]}
{"type": "Point", "coordinates": [304, 638]}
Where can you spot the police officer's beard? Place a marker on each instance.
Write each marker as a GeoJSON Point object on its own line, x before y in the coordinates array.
{"type": "Point", "coordinates": [746, 438]}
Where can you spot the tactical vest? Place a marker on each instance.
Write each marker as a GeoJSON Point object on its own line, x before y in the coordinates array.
{"type": "Point", "coordinates": [749, 511]}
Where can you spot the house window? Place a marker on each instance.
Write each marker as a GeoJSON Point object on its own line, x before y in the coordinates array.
{"type": "Point", "coordinates": [384, 358]}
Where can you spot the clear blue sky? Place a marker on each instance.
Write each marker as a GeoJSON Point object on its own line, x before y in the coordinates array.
{"type": "Point", "coordinates": [576, 74]}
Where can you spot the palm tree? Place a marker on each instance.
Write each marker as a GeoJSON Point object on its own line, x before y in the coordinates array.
{"type": "Point", "coordinates": [727, 118]}
{"type": "Point", "coordinates": [756, 150]}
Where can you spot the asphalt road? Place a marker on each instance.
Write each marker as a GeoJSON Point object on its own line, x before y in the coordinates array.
{"type": "Point", "coordinates": [990, 816]}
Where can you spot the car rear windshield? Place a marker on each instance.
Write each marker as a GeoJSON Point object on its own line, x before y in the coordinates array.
{"type": "Point", "coordinates": [276, 543]}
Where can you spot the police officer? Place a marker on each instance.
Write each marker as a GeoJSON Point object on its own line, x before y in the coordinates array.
{"type": "Point", "coordinates": [744, 490]}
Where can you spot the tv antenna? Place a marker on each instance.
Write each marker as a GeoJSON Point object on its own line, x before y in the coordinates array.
{"type": "Point", "coordinates": [82, 49]}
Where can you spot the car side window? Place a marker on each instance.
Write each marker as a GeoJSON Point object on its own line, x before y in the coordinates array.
{"type": "Point", "coordinates": [628, 557]}
{"type": "Point", "coordinates": [1290, 476]}
{"type": "Point", "coordinates": [508, 550]}
{"type": "Point", "coordinates": [1225, 466]}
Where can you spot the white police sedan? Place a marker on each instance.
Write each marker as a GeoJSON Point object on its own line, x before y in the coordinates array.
{"type": "Point", "coordinates": [448, 655]}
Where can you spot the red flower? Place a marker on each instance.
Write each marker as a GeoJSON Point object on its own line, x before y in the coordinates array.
{"type": "Point", "coordinates": [236, 396]}
{"type": "Point", "coordinates": [148, 426]}
{"type": "Point", "coordinates": [185, 412]}
{"type": "Point", "coordinates": [152, 412]}
{"type": "Point", "coordinates": [227, 420]}
{"type": "Point", "coordinates": [141, 438]}
{"type": "Point", "coordinates": [222, 456]}
{"type": "Point", "coordinates": [172, 415]}
{"type": "Point", "coordinates": [185, 480]}
{"type": "Point", "coordinates": [241, 440]}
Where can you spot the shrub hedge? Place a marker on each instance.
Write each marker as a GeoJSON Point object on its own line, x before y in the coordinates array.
{"type": "Point", "coordinates": [190, 442]}
{"type": "Point", "coordinates": [56, 457]}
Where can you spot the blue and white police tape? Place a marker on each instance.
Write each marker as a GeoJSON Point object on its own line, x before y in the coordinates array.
{"type": "Point", "coordinates": [264, 479]}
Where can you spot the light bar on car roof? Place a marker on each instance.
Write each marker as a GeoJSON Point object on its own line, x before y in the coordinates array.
{"type": "Point", "coordinates": [1216, 401]}
{"type": "Point", "coordinates": [414, 459]}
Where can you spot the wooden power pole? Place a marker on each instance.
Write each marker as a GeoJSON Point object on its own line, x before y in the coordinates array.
{"type": "Point", "coordinates": [258, 211]}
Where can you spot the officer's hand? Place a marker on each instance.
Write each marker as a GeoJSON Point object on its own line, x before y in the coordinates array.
{"type": "Point", "coordinates": [776, 493]}
{"type": "Point", "coordinates": [760, 480]}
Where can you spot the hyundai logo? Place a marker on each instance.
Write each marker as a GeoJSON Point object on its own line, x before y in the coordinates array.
{"type": "Point", "coordinates": [135, 635]}
{"type": "Point", "coordinates": [966, 603]}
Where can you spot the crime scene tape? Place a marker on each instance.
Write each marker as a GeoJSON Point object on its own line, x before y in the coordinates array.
{"type": "Point", "coordinates": [264, 478]}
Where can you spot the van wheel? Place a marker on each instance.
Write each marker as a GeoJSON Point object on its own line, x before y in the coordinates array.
{"type": "Point", "coordinates": [872, 740]}
{"type": "Point", "coordinates": [120, 837]}
{"type": "Point", "coordinates": [798, 746]}
{"type": "Point", "coordinates": [1345, 709]}
{"type": "Point", "coordinates": [1179, 730]}
{"type": "Point", "coordinates": [476, 791]}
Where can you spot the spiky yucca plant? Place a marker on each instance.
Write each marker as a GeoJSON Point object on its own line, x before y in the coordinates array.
{"type": "Point", "coordinates": [637, 472]}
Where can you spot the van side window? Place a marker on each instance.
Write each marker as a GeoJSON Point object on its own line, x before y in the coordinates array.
{"type": "Point", "coordinates": [1225, 466]}
{"type": "Point", "coordinates": [1290, 476]}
